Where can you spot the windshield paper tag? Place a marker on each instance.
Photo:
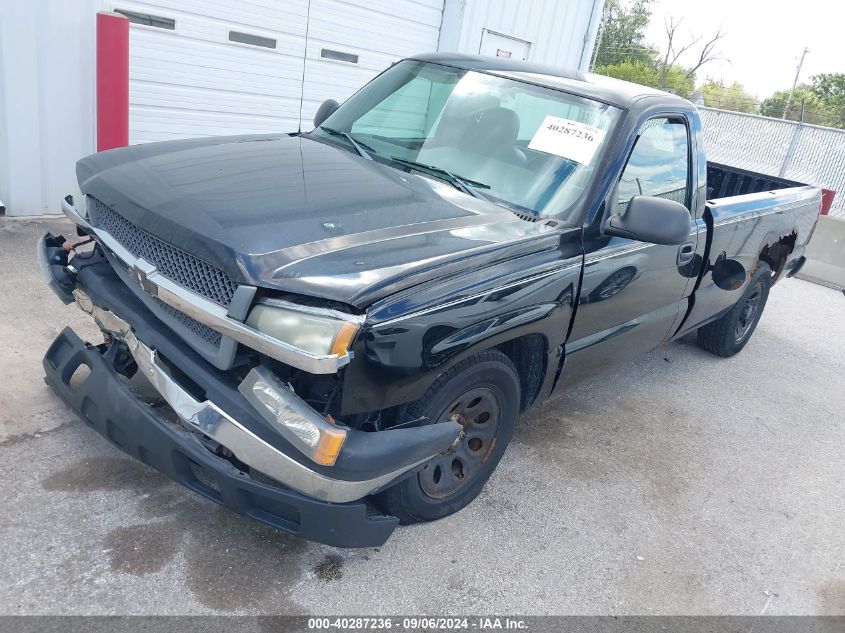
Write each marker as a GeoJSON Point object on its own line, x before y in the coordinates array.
{"type": "Point", "coordinates": [570, 139]}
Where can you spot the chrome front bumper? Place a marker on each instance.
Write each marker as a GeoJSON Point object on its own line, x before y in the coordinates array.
{"type": "Point", "coordinates": [207, 418]}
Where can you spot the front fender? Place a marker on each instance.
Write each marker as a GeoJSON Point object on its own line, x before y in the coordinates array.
{"type": "Point", "coordinates": [398, 358]}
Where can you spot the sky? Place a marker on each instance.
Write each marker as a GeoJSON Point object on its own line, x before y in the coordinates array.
{"type": "Point", "coordinates": [763, 39]}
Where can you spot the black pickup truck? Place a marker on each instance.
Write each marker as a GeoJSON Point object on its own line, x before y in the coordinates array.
{"type": "Point", "coordinates": [338, 329]}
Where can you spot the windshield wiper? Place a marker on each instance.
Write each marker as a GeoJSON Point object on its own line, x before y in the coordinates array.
{"type": "Point", "coordinates": [358, 145]}
{"type": "Point", "coordinates": [466, 185]}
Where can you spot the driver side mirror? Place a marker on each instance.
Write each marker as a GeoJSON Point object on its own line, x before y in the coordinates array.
{"type": "Point", "coordinates": [325, 110]}
{"type": "Point", "coordinates": [651, 219]}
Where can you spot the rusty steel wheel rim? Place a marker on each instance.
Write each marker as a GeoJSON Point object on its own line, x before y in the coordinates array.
{"type": "Point", "coordinates": [478, 411]}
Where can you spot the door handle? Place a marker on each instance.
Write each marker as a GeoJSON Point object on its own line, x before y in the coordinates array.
{"type": "Point", "coordinates": [685, 253]}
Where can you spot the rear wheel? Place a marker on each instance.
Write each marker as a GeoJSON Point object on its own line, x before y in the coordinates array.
{"type": "Point", "coordinates": [729, 334]}
{"type": "Point", "coordinates": [482, 394]}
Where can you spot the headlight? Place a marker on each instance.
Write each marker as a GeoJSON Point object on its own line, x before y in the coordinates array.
{"type": "Point", "coordinates": [308, 431]}
{"type": "Point", "coordinates": [318, 334]}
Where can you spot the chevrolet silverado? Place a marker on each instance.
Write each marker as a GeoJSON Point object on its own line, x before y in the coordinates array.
{"type": "Point", "coordinates": [336, 330]}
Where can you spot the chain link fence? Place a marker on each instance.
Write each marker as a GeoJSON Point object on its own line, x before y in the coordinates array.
{"type": "Point", "coordinates": [787, 149]}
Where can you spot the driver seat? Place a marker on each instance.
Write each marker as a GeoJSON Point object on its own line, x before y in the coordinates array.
{"type": "Point", "coordinates": [492, 135]}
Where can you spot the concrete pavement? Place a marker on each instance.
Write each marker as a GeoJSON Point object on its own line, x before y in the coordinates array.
{"type": "Point", "coordinates": [680, 483]}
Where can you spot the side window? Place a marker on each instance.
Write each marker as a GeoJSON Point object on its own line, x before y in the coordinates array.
{"type": "Point", "coordinates": [659, 163]}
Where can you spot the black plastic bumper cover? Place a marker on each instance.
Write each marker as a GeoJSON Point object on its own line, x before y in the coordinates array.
{"type": "Point", "coordinates": [109, 407]}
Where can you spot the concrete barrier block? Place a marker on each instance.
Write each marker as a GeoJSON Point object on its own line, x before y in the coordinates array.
{"type": "Point", "coordinates": [825, 254]}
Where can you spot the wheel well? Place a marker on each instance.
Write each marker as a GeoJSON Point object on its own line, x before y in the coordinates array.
{"type": "Point", "coordinates": [528, 354]}
{"type": "Point", "coordinates": [775, 254]}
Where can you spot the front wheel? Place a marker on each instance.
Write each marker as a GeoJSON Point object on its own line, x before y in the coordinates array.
{"type": "Point", "coordinates": [729, 334]}
{"type": "Point", "coordinates": [482, 394]}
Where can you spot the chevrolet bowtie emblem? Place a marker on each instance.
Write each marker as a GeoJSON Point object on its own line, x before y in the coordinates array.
{"type": "Point", "coordinates": [140, 272]}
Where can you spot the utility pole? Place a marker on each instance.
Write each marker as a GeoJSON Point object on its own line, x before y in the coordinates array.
{"type": "Point", "coordinates": [795, 82]}
{"type": "Point", "coordinates": [597, 44]}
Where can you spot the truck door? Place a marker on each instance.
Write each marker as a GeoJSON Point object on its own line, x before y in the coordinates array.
{"type": "Point", "coordinates": [633, 293]}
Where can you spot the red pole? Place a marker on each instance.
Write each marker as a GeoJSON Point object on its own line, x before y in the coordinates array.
{"type": "Point", "coordinates": [112, 80]}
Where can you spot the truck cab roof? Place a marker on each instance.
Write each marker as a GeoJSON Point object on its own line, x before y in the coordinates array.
{"type": "Point", "coordinates": [607, 89]}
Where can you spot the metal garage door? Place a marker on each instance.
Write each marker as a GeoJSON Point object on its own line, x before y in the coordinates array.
{"type": "Point", "coordinates": [208, 67]}
{"type": "Point", "coordinates": [351, 41]}
{"type": "Point", "coordinates": [187, 77]}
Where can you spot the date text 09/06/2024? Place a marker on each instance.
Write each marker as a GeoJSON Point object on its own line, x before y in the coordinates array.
{"type": "Point", "coordinates": [481, 623]}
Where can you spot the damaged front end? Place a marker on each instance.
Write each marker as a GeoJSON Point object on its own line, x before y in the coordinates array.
{"type": "Point", "coordinates": [242, 437]}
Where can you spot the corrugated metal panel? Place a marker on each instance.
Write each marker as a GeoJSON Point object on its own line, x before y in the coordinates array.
{"type": "Point", "coordinates": [557, 31]}
{"type": "Point", "coordinates": [193, 81]}
{"type": "Point", "coordinates": [378, 32]}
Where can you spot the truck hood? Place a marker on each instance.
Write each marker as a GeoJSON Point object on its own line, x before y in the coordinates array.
{"type": "Point", "coordinates": [303, 216]}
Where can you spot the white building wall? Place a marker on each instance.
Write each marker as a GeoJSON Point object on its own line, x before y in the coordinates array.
{"type": "Point", "coordinates": [559, 32]}
{"type": "Point", "coordinates": [46, 100]}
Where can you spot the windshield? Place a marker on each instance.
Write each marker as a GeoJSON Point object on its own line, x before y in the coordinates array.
{"type": "Point", "coordinates": [530, 148]}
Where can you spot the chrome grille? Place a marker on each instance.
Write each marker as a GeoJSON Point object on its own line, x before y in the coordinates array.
{"type": "Point", "coordinates": [174, 263]}
{"type": "Point", "coordinates": [201, 330]}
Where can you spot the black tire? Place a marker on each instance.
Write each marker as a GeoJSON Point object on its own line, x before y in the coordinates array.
{"type": "Point", "coordinates": [729, 334]}
{"type": "Point", "coordinates": [489, 378]}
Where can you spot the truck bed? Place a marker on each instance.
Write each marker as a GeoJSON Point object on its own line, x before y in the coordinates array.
{"type": "Point", "coordinates": [751, 217]}
{"type": "Point", "coordinates": [724, 181]}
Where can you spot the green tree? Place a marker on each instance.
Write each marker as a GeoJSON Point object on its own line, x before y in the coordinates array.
{"type": "Point", "coordinates": [677, 79]}
{"type": "Point", "coordinates": [622, 52]}
{"type": "Point", "coordinates": [830, 91]}
{"type": "Point", "coordinates": [733, 97]}
{"type": "Point", "coordinates": [805, 105]}
{"type": "Point", "coordinates": [621, 35]}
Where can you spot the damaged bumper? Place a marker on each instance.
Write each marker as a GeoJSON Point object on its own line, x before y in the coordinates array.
{"type": "Point", "coordinates": [221, 432]}
{"type": "Point", "coordinates": [110, 408]}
